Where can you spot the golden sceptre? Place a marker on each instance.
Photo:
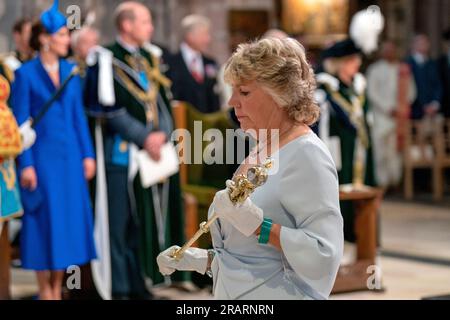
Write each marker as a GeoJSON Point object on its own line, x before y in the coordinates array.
{"type": "Point", "coordinates": [239, 189]}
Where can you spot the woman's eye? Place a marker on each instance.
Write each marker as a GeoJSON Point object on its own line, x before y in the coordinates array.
{"type": "Point", "coordinates": [244, 93]}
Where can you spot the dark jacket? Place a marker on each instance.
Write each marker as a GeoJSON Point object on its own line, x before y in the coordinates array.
{"type": "Point", "coordinates": [185, 88]}
{"type": "Point", "coordinates": [444, 68]}
{"type": "Point", "coordinates": [428, 84]}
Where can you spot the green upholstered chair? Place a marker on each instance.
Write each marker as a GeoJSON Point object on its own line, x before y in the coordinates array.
{"type": "Point", "coordinates": [200, 182]}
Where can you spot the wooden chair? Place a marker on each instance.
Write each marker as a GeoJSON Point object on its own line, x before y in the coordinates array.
{"type": "Point", "coordinates": [443, 154]}
{"type": "Point", "coordinates": [200, 182]}
{"type": "Point", "coordinates": [422, 150]}
{"type": "Point", "coordinates": [355, 277]}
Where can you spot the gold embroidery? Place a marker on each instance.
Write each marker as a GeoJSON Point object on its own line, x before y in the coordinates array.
{"type": "Point", "coordinates": [123, 147]}
{"type": "Point", "coordinates": [10, 139]}
{"type": "Point", "coordinates": [355, 113]}
{"type": "Point", "coordinates": [156, 79]}
{"type": "Point", "coordinates": [9, 174]}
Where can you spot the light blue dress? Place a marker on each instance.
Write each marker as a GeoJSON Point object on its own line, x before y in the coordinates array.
{"type": "Point", "coordinates": [303, 197]}
{"type": "Point", "coordinates": [58, 222]}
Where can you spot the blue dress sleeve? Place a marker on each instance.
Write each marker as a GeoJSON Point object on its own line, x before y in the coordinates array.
{"type": "Point", "coordinates": [309, 192]}
{"type": "Point", "coordinates": [80, 120]}
{"type": "Point", "coordinates": [20, 103]}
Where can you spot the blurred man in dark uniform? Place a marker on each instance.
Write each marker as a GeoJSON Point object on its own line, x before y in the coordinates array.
{"type": "Point", "coordinates": [444, 67]}
{"type": "Point", "coordinates": [426, 75]}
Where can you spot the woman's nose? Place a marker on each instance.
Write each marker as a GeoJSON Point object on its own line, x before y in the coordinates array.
{"type": "Point", "coordinates": [233, 102]}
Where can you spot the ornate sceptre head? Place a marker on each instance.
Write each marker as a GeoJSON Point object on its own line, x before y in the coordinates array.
{"type": "Point", "coordinates": [243, 185]}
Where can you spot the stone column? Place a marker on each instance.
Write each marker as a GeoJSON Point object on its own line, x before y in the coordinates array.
{"type": "Point", "coordinates": [9, 12]}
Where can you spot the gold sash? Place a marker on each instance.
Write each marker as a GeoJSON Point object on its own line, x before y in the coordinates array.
{"type": "Point", "coordinates": [355, 113]}
{"type": "Point", "coordinates": [156, 79]}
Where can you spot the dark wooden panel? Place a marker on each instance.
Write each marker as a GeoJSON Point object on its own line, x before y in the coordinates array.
{"type": "Point", "coordinates": [245, 25]}
{"type": "Point", "coordinates": [5, 264]}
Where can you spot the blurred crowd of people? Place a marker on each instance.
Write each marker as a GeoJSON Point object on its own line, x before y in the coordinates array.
{"type": "Point", "coordinates": [75, 159]}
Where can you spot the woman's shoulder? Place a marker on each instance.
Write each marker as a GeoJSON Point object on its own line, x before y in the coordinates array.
{"type": "Point", "coordinates": [307, 175]}
{"type": "Point", "coordinates": [307, 146]}
{"type": "Point", "coordinates": [28, 68]}
{"type": "Point", "coordinates": [307, 153]}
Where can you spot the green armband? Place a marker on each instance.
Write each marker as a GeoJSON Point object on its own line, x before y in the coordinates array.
{"type": "Point", "coordinates": [265, 231]}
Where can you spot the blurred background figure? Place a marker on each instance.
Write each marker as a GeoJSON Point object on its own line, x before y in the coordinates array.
{"type": "Point", "coordinates": [13, 61]}
{"type": "Point", "coordinates": [10, 204]}
{"type": "Point", "coordinates": [194, 75]}
{"type": "Point", "coordinates": [82, 41]}
{"type": "Point", "coordinates": [58, 222]}
{"type": "Point", "coordinates": [384, 79]}
{"type": "Point", "coordinates": [444, 68]}
{"type": "Point", "coordinates": [22, 34]}
{"type": "Point", "coordinates": [426, 76]}
{"type": "Point", "coordinates": [345, 124]}
{"type": "Point", "coordinates": [23, 51]}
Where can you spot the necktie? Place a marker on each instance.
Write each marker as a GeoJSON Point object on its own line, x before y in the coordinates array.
{"type": "Point", "coordinates": [194, 71]}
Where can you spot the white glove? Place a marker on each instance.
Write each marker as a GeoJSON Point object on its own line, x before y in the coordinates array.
{"type": "Point", "coordinates": [194, 259]}
{"type": "Point", "coordinates": [28, 135]}
{"type": "Point", "coordinates": [245, 217]}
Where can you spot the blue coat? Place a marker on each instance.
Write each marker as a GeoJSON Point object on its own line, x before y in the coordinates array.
{"type": "Point", "coordinates": [58, 222]}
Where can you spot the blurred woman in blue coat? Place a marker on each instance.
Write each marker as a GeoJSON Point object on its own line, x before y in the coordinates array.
{"type": "Point", "coordinates": [58, 222]}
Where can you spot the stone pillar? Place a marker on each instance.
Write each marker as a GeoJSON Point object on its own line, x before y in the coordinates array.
{"type": "Point", "coordinates": [399, 16]}
{"type": "Point", "coordinates": [9, 12]}
{"type": "Point", "coordinates": [432, 18]}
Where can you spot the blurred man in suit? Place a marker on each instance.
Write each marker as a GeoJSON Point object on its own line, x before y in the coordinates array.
{"type": "Point", "coordinates": [194, 75]}
{"type": "Point", "coordinates": [444, 67]}
{"type": "Point", "coordinates": [426, 75]}
{"type": "Point", "coordinates": [82, 41]}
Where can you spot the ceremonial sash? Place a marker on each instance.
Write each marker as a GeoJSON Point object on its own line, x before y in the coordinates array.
{"type": "Point", "coordinates": [353, 112]}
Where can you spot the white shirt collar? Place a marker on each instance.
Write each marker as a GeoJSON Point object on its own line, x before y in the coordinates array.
{"type": "Point", "coordinates": [189, 55]}
{"type": "Point", "coordinates": [126, 46]}
{"type": "Point", "coordinates": [420, 58]}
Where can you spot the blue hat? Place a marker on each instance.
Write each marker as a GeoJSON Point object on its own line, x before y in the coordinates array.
{"type": "Point", "coordinates": [52, 19]}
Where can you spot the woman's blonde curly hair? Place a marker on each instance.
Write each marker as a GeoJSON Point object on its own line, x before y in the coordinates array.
{"type": "Point", "coordinates": [281, 68]}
